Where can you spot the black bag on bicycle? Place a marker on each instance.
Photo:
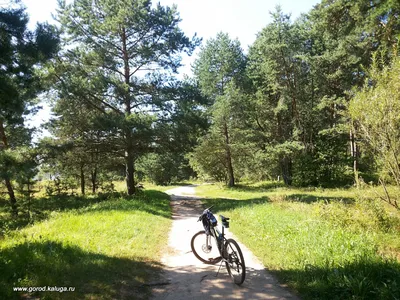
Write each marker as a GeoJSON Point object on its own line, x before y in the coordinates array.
{"type": "Point", "coordinates": [208, 220]}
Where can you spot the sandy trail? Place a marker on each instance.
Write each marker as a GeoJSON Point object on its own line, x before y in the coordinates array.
{"type": "Point", "coordinates": [188, 278]}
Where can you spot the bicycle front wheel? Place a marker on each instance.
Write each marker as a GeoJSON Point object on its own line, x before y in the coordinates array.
{"type": "Point", "coordinates": [205, 248]}
{"type": "Point", "coordinates": [234, 261]}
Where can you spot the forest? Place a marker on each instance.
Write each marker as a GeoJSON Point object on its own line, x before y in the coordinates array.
{"type": "Point", "coordinates": [298, 106]}
{"type": "Point", "coordinates": [314, 103]}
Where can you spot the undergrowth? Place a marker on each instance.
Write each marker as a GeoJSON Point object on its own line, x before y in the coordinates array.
{"type": "Point", "coordinates": [325, 244]}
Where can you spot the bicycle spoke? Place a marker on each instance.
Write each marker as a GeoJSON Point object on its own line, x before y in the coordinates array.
{"type": "Point", "coordinates": [205, 248]}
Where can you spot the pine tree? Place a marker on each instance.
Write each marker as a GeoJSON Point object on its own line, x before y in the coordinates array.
{"type": "Point", "coordinates": [219, 70]}
{"type": "Point", "coordinates": [119, 58]}
{"type": "Point", "coordinates": [21, 52]}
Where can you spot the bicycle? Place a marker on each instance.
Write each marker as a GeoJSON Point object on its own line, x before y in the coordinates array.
{"type": "Point", "coordinates": [212, 251]}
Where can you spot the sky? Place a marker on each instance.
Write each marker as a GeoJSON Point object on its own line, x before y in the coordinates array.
{"type": "Point", "coordinates": [241, 19]}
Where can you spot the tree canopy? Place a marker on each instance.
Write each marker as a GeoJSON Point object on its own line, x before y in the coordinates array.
{"type": "Point", "coordinates": [119, 60]}
{"type": "Point", "coordinates": [285, 109]}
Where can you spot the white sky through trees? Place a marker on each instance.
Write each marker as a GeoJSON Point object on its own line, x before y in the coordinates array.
{"type": "Point", "coordinates": [241, 19]}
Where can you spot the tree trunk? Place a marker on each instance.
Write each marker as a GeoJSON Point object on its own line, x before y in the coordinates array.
{"type": "Point", "coordinates": [10, 189]}
{"type": "Point", "coordinates": [94, 180]}
{"type": "Point", "coordinates": [228, 155]}
{"type": "Point", "coordinates": [354, 154]}
{"type": "Point", "coordinates": [129, 157]}
{"type": "Point", "coordinates": [93, 173]}
{"type": "Point", "coordinates": [286, 167]}
{"type": "Point", "coordinates": [82, 180]}
{"type": "Point", "coordinates": [231, 181]}
{"type": "Point", "coordinates": [13, 200]}
{"type": "Point", "coordinates": [130, 181]}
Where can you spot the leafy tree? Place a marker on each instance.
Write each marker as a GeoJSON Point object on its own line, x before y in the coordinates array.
{"type": "Point", "coordinates": [376, 111]}
{"type": "Point", "coordinates": [21, 52]}
{"type": "Point", "coordinates": [343, 35]}
{"type": "Point", "coordinates": [118, 61]}
{"type": "Point", "coordinates": [208, 159]}
{"type": "Point", "coordinates": [302, 73]}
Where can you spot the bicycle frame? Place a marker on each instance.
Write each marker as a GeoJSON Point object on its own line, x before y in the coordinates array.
{"type": "Point", "coordinates": [220, 239]}
{"type": "Point", "coordinates": [228, 249]}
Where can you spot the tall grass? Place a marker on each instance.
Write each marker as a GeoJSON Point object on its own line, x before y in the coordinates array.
{"type": "Point", "coordinates": [325, 244]}
{"type": "Point", "coordinates": [106, 248]}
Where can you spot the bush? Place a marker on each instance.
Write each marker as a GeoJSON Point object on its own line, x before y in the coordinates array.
{"type": "Point", "coordinates": [60, 186]}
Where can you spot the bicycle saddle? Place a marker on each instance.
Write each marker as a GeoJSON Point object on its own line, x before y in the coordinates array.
{"type": "Point", "coordinates": [223, 219]}
{"type": "Point", "coordinates": [225, 222]}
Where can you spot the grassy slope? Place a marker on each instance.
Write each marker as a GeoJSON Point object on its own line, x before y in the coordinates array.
{"type": "Point", "coordinates": [104, 248]}
{"type": "Point", "coordinates": [323, 243]}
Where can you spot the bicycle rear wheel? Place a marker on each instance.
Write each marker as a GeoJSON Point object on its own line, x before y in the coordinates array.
{"type": "Point", "coordinates": [234, 261]}
{"type": "Point", "coordinates": [205, 248]}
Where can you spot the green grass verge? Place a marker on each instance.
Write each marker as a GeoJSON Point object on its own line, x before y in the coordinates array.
{"type": "Point", "coordinates": [120, 186]}
{"type": "Point", "coordinates": [325, 244]}
{"type": "Point", "coordinates": [107, 247]}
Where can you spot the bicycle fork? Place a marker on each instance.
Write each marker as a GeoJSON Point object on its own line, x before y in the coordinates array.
{"type": "Point", "coordinates": [208, 242]}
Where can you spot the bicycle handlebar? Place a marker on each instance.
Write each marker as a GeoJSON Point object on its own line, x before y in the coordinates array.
{"type": "Point", "coordinates": [209, 208]}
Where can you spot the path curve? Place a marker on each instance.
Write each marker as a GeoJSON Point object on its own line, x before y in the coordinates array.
{"type": "Point", "coordinates": [185, 277]}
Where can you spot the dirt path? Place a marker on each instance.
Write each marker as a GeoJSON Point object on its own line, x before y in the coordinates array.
{"type": "Point", "coordinates": [185, 277]}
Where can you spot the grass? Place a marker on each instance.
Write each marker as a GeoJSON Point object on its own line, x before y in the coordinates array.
{"type": "Point", "coordinates": [325, 244]}
{"type": "Point", "coordinates": [105, 247]}
{"type": "Point", "coordinates": [276, 192]}
{"type": "Point", "coordinates": [120, 186]}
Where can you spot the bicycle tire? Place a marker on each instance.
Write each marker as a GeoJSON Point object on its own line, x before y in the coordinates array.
{"type": "Point", "coordinates": [198, 244]}
{"type": "Point", "coordinates": [234, 261]}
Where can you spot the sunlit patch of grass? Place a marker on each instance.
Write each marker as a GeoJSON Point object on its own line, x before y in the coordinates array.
{"type": "Point", "coordinates": [326, 244]}
{"type": "Point", "coordinates": [120, 186]}
{"type": "Point", "coordinates": [275, 192]}
{"type": "Point", "coordinates": [105, 249]}
{"type": "Point", "coordinates": [161, 188]}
